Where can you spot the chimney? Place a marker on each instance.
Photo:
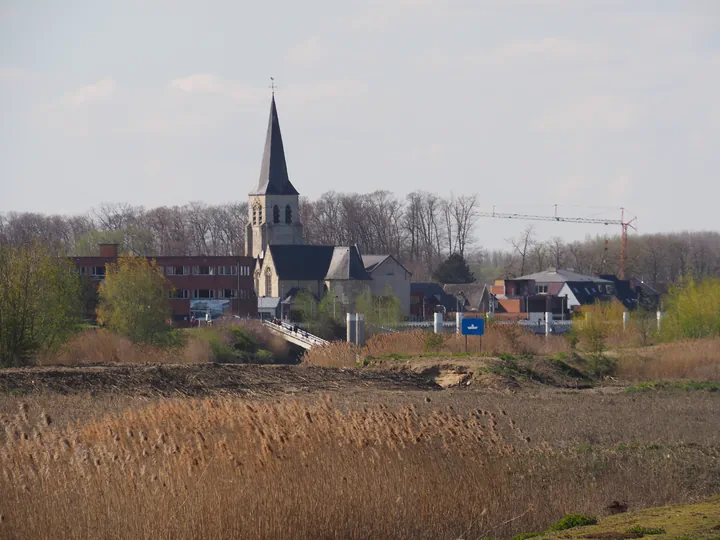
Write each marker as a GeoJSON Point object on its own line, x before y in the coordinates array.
{"type": "Point", "coordinates": [108, 249]}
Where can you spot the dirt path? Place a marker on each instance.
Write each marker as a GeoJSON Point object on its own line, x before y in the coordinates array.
{"type": "Point", "coordinates": [203, 380]}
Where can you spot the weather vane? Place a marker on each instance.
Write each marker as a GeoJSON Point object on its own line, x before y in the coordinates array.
{"type": "Point", "coordinates": [272, 85]}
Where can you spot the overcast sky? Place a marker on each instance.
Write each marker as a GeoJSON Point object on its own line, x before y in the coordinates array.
{"type": "Point", "coordinates": [585, 104]}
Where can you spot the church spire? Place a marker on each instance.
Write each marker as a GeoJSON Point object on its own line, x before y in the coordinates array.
{"type": "Point", "coordinates": [273, 171]}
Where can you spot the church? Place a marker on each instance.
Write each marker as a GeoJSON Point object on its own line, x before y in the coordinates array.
{"type": "Point", "coordinates": [285, 264]}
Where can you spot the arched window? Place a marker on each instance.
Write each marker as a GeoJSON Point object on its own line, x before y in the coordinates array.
{"type": "Point", "coordinates": [268, 282]}
{"type": "Point", "coordinates": [254, 216]}
{"type": "Point", "coordinates": [259, 214]}
{"type": "Point", "coordinates": [276, 214]}
{"type": "Point", "coordinates": [288, 214]}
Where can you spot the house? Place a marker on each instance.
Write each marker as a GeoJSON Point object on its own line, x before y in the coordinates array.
{"type": "Point", "coordinates": [202, 284]}
{"type": "Point", "coordinates": [555, 290]}
{"type": "Point", "coordinates": [428, 298]}
{"type": "Point", "coordinates": [475, 296]}
{"type": "Point", "coordinates": [389, 276]}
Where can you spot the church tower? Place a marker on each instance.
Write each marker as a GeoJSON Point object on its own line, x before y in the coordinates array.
{"type": "Point", "coordinates": [274, 204]}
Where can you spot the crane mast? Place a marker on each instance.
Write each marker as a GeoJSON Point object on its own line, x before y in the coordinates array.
{"type": "Point", "coordinates": [597, 221]}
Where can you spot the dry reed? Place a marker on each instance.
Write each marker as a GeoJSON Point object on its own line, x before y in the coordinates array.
{"type": "Point", "coordinates": [499, 339]}
{"type": "Point", "coordinates": [234, 468]}
{"type": "Point", "coordinates": [99, 346]}
{"type": "Point", "coordinates": [697, 359]}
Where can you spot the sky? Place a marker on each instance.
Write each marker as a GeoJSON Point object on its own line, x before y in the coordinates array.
{"type": "Point", "coordinates": [590, 105]}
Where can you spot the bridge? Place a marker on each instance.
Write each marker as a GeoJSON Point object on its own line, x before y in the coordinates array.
{"type": "Point", "coordinates": [298, 337]}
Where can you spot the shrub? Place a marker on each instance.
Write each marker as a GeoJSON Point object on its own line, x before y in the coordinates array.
{"type": "Point", "coordinates": [40, 302]}
{"type": "Point", "coordinates": [433, 342]}
{"type": "Point", "coordinates": [600, 365]}
{"type": "Point", "coordinates": [571, 521]}
{"type": "Point", "coordinates": [134, 300]}
{"type": "Point", "coordinates": [596, 323]}
{"type": "Point", "coordinates": [693, 310]}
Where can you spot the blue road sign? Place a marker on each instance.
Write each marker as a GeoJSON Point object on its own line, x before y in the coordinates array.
{"type": "Point", "coordinates": [473, 327]}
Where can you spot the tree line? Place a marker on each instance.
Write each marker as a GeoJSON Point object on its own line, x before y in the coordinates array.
{"type": "Point", "coordinates": [421, 230]}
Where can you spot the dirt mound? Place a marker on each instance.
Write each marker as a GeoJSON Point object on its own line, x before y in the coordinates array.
{"type": "Point", "coordinates": [203, 380]}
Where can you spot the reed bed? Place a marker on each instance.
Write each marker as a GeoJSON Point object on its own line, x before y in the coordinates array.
{"type": "Point", "coordinates": [697, 359]}
{"type": "Point", "coordinates": [499, 339]}
{"type": "Point", "coordinates": [290, 469]}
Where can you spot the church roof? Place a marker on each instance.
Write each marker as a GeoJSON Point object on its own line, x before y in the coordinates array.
{"type": "Point", "coordinates": [317, 263]}
{"type": "Point", "coordinates": [346, 263]}
{"type": "Point", "coordinates": [274, 178]}
{"type": "Point", "coordinates": [300, 261]}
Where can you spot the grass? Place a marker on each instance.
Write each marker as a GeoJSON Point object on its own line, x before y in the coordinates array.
{"type": "Point", "coordinates": [675, 386]}
{"type": "Point", "coordinates": [238, 468]}
{"type": "Point", "coordinates": [698, 521]}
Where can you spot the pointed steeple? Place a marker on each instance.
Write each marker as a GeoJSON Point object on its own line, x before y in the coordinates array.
{"type": "Point", "coordinates": [273, 172]}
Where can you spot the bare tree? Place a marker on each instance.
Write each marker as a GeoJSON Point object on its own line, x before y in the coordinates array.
{"type": "Point", "coordinates": [522, 247]}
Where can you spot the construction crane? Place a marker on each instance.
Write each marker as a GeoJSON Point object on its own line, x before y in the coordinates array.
{"type": "Point", "coordinates": [599, 221]}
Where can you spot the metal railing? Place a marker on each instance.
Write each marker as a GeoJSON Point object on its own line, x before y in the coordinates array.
{"type": "Point", "coordinates": [296, 333]}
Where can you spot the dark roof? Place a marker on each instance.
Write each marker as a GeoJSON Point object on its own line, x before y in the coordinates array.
{"type": "Point", "coordinates": [274, 178]}
{"type": "Point", "coordinates": [434, 291]}
{"type": "Point", "coordinates": [290, 295]}
{"type": "Point", "coordinates": [303, 262]}
{"type": "Point", "coordinates": [317, 263]}
{"type": "Point", "coordinates": [587, 293]}
{"type": "Point", "coordinates": [623, 290]}
{"type": "Point", "coordinates": [473, 292]}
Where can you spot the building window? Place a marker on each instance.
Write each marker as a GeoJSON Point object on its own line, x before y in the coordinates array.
{"type": "Point", "coordinates": [203, 270]}
{"type": "Point", "coordinates": [98, 271]}
{"type": "Point", "coordinates": [268, 282]}
{"type": "Point", "coordinates": [83, 270]}
{"type": "Point", "coordinates": [254, 216]}
{"type": "Point", "coordinates": [288, 214]}
{"type": "Point", "coordinates": [180, 294]}
{"type": "Point", "coordinates": [541, 289]}
{"type": "Point", "coordinates": [276, 214]}
{"type": "Point", "coordinates": [177, 270]}
{"type": "Point", "coordinates": [203, 293]}
{"type": "Point", "coordinates": [230, 270]}
{"type": "Point", "coordinates": [227, 293]}
{"type": "Point", "coordinates": [259, 214]}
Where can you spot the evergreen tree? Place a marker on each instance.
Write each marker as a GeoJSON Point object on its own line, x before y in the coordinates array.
{"type": "Point", "coordinates": [454, 269]}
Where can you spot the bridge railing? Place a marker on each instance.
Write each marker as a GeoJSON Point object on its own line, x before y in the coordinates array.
{"type": "Point", "coordinates": [299, 334]}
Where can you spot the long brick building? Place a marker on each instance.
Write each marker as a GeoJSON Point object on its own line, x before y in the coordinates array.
{"type": "Point", "coordinates": [203, 284]}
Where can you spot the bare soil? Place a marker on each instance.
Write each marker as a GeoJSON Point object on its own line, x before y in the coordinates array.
{"type": "Point", "coordinates": [199, 380]}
